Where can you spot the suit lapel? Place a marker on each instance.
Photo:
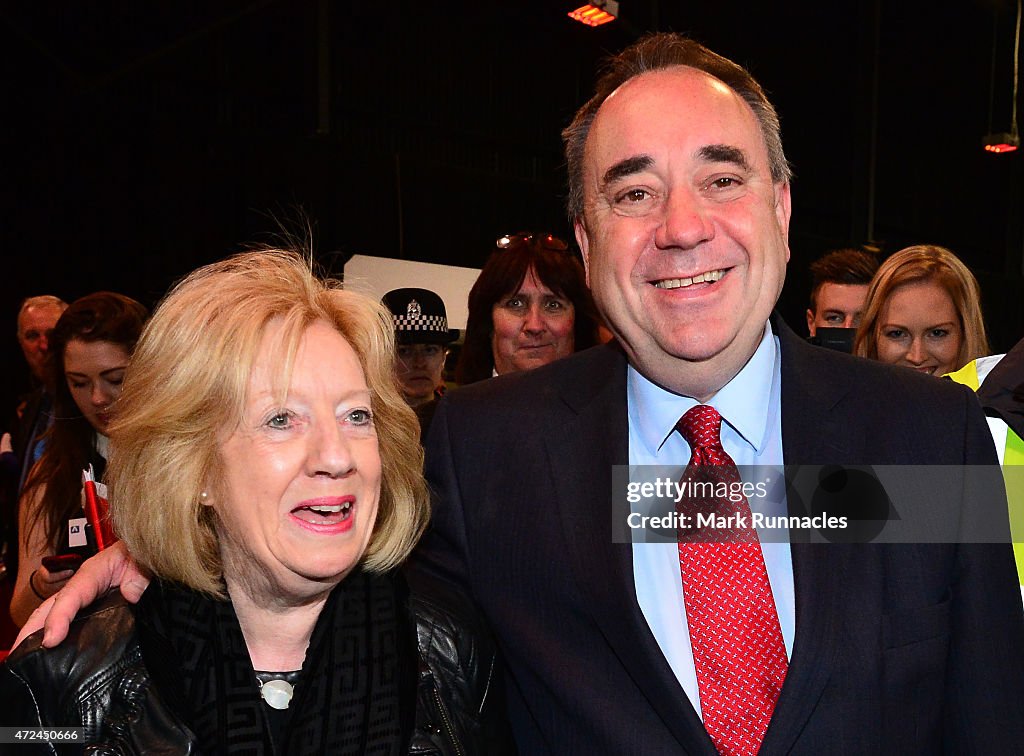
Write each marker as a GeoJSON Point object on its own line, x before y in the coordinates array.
{"type": "Point", "coordinates": [594, 436]}
{"type": "Point", "coordinates": [812, 432]}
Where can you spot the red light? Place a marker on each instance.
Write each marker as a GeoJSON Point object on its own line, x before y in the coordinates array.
{"type": "Point", "coordinates": [1004, 141]}
{"type": "Point", "coordinates": [592, 15]}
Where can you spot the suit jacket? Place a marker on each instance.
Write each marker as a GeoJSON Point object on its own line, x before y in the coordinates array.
{"type": "Point", "coordinates": [898, 648]}
{"type": "Point", "coordinates": [28, 428]}
{"type": "Point", "coordinates": [16, 467]}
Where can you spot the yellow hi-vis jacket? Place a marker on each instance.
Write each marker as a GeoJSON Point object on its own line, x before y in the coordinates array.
{"type": "Point", "coordinates": [1010, 449]}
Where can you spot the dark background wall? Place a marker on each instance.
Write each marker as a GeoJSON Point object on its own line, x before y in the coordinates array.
{"type": "Point", "coordinates": [143, 139]}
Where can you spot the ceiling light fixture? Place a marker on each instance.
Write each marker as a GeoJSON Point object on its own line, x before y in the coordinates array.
{"type": "Point", "coordinates": [596, 13]}
{"type": "Point", "coordinates": [1005, 141]}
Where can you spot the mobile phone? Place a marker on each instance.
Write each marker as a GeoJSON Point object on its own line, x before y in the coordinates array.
{"type": "Point", "coordinates": [61, 562]}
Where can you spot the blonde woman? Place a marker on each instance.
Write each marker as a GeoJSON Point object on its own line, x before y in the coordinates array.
{"type": "Point", "coordinates": [923, 311]}
{"type": "Point", "coordinates": [266, 472]}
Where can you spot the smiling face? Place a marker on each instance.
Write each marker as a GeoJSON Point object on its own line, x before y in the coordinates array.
{"type": "Point", "coordinates": [919, 328]}
{"type": "Point", "coordinates": [684, 232]}
{"type": "Point", "coordinates": [532, 327]}
{"type": "Point", "coordinates": [94, 371]}
{"type": "Point", "coordinates": [301, 478]}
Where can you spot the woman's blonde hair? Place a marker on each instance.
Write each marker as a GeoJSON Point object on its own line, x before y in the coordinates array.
{"type": "Point", "coordinates": [187, 386]}
{"type": "Point", "coordinates": [920, 263]}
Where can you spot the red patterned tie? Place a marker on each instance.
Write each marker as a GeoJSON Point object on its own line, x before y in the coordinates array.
{"type": "Point", "coordinates": [738, 651]}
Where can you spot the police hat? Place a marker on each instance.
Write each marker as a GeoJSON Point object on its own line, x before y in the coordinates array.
{"type": "Point", "coordinates": [419, 317]}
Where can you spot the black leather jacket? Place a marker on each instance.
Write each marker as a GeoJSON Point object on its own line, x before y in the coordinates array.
{"type": "Point", "coordinates": [96, 679]}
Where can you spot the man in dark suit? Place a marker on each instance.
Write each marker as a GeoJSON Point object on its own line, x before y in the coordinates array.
{"type": "Point", "coordinates": [680, 194]}
{"type": "Point", "coordinates": [37, 317]}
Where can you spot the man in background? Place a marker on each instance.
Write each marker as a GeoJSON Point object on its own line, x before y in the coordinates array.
{"type": "Point", "coordinates": [36, 319]}
{"type": "Point", "coordinates": [839, 287]}
{"type": "Point", "coordinates": [22, 447]}
{"type": "Point", "coordinates": [422, 337]}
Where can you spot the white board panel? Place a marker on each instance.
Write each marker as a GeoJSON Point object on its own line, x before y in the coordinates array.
{"type": "Point", "coordinates": [376, 276]}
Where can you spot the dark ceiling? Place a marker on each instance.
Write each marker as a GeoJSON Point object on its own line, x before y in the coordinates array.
{"type": "Point", "coordinates": [143, 139]}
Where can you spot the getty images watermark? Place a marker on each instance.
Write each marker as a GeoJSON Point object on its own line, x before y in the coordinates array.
{"type": "Point", "coordinates": [817, 503]}
{"type": "Point", "coordinates": [707, 516]}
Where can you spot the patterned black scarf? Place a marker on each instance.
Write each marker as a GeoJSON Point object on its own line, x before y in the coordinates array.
{"type": "Point", "coordinates": [356, 694]}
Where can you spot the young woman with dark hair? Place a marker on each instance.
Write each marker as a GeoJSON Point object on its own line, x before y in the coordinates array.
{"type": "Point", "coordinates": [88, 353]}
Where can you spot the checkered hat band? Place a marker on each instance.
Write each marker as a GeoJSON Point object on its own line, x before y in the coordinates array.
{"type": "Point", "coordinates": [420, 323]}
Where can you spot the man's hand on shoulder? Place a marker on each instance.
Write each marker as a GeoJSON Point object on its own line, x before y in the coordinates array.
{"type": "Point", "coordinates": [110, 568]}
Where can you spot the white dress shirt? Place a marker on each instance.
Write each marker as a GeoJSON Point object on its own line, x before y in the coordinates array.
{"type": "Point", "coordinates": [750, 407]}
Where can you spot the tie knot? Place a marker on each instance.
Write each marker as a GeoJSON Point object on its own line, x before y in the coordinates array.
{"type": "Point", "coordinates": [700, 426]}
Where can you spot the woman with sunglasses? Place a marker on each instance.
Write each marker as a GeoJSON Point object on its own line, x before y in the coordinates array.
{"type": "Point", "coordinates": [530, 306]}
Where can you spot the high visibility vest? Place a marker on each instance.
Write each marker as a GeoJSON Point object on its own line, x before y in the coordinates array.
{"type": "Point", "coordinates": [1010, 449]}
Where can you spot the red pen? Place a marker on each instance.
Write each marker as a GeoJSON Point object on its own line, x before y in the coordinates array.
{"type": "Point", "coordinates": [96, 510]}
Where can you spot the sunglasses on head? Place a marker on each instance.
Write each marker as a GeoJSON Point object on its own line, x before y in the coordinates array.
{"type": "Point", "coordinates": [544, 241]}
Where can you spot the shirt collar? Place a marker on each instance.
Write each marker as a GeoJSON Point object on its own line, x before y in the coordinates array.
{"type": "Point", "coordinates": [102, 445]}
{"type": "Point", "coordinates": [743, 402]}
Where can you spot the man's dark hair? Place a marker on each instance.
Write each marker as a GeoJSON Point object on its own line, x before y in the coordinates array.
{"type": "Point", "coordinates": [655, 52]}
{"type": "Point", "coordinates": [852, 267]}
